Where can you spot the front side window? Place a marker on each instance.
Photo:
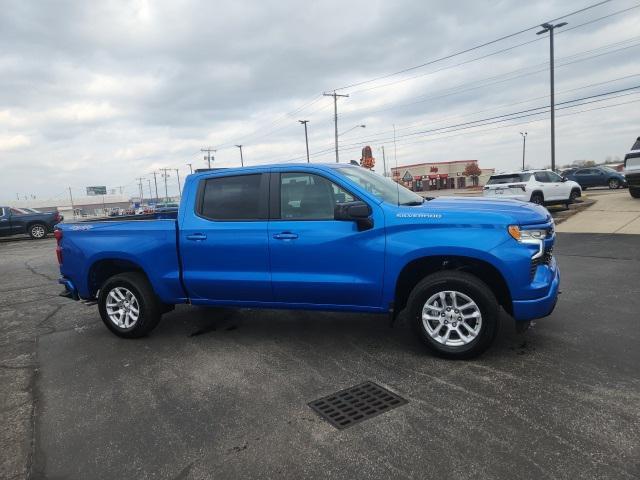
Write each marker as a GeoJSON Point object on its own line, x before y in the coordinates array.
{"type": "Point", "coordinates": [233, 198]}
{"type": "Point", "coordinates": [305, 196]}
{"type": "Point", "coordinates": [542, 177]}
{"type": "Point", "coordinates": [554, 177]}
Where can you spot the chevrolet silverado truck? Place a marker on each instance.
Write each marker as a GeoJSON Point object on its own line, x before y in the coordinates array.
{"type": "Point", "coordinates": [37, 225]}
{"type": "Point", "coordinates": [321, 237]}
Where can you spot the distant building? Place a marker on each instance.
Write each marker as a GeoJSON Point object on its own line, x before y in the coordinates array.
{"type": "Point", "coordinates": [440, 175]}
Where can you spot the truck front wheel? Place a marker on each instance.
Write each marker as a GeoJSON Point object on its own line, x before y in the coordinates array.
{"type": "Point", "coordinates": [128, 305]}
{"type": "Point", "coordinates": [454, 313]}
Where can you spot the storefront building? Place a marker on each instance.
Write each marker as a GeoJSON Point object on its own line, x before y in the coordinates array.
{"type": "Point", "coordinates": [442, 175]}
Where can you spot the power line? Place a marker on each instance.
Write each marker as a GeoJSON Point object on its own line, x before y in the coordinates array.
{"type": "Point", "coordinates": [502, 118]}
{"type": "Point", "coordinates": [497, 52]}
{"type": "Point", "coordinates": [476, 47]}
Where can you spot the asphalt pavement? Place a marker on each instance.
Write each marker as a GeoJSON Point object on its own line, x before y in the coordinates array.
{"type": "Point", "coordinates": [216, 393]}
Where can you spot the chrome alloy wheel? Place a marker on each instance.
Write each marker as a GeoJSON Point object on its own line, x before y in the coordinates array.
{"type": "Point", "coordinates": [38, 231]}
{"type": "Point", "coordinates": [451, 318]}
{"type": "Point", "coordinates": [123, 308]}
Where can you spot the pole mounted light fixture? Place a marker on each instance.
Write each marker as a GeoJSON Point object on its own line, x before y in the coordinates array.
{"type": "Point", "coordinates": [548, 27]}
{"type": "Point", "coordinates": [352, 128]}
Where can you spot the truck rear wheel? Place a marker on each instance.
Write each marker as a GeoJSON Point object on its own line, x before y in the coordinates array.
{"type": "Point", "coordinates": [37, 231]}
{"type": "Point", "coordinates": [635, 192]}
{"type": "Point", "coordinates": [454, 313]}
{"type": "Point", "coordinates": [128, 305]}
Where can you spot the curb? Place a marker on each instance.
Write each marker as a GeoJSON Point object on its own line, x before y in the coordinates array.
{"type": "Point", "coordinates": [561, 215]}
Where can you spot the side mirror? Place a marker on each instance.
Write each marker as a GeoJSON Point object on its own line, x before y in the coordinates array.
{"type": "Point", "coordinates": [564, 179]}
{"type": "Point", "coordinates": [354, 211]}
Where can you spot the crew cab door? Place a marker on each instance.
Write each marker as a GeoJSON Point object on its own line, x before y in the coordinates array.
{"type": "Point", "coordinates": [223, 240]}
{"type": "Point", "coordinates": [318, 260]}
{"type": "Point", "coordinates": [5, 222]}
{"type": "Point", "coordinates": [562, 190]}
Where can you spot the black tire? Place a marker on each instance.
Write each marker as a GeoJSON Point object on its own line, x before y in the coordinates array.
{"type": "Point", "coordinates": [472, 287]}
{"type": "Point", "coordinates": [614, 184]}
{"type": "Point", "coordinates": [38, 231]}
{"type": "Point", "coordinates": [537, 198]}
{"type": "Point", "coordinates": [575, 193]}
{"type": "Point", "coordinates": [635, 192]}
{"type": "Point", "coordinates": [150, 307]}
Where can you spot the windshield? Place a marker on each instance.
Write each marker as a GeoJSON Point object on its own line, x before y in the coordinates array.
{"type": "Point", "coordinates": [509, 178]}
{"type": "Point", "coordinates": [382, 187]}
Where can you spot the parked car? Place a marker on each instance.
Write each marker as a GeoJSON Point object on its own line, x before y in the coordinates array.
{"type": "Point", "coordinates": [321, 237]}
{"type": "Point", "coordinates": [36, 225]}
{"type": "Point", "coordinates": [543, 187]}
{"type": "Point", "coordinates": [596, 177]}
{"type": "Point", "coordinates": [166, 207]}
{"type": "Point", "coordinates": [632, 169]}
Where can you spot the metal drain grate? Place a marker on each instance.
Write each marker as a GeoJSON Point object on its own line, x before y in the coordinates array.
{"type": "Point", "coordinates": [356, 404]}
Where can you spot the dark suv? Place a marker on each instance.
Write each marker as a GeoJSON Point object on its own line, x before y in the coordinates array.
{"type": "Point", "coordinates": [596, 177]}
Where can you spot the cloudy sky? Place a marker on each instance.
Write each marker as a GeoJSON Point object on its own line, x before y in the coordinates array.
{"type": "Point", "coordinates": [99, 93]}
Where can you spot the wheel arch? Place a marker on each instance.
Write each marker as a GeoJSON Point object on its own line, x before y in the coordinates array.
{"type": "Point", "coordinates": [535, 192]}
{"type": "Point", "coordinates": [417, 269]}
{"type": "Point", "coordinates": [105, 268]}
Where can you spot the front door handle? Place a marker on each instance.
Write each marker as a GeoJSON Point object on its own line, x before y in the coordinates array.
{"type": "Point", "coordinates": [285, 236]}
{"type": "Point", "coordinates": [197, 236]}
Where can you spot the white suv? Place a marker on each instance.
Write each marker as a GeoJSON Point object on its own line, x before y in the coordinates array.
{"type": "Point", "coordinates": [543, 187]}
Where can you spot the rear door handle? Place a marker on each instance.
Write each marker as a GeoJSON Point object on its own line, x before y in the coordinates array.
{"type": "Point", "coordinates": [197, 236]}
{"type": "Point", "coordinates": [285, 236]}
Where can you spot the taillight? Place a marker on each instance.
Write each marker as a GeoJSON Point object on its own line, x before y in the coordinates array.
{"type": "Point", "coordinates": [56, 217]}
{"type": "Point", "coordinates": [57, 234]}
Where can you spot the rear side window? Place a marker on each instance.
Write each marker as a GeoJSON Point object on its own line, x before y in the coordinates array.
{"type": "Point", "coordinates": [234, 198]}
{"type": "Point", "coordinates": [509, 178]}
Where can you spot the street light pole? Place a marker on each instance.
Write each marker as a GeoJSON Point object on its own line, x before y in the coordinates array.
{"type": "Point", "coordinates": [352, 128]}
{"type": "Point", "coordinates": [548, 27]}
{"type": "Point", "coordinates": [241, 157]}
{"type": "Point", "coordinates": [306, 136]}
{"type": "Point", "coordinates": [190, 167]}
{"type": "Point", "coordinates": [524, 144]}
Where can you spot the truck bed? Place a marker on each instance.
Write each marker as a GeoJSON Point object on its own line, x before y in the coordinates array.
{"type": "Point", "coordinates": [147, 244]}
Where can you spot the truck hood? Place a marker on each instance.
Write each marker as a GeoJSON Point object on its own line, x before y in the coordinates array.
{"type": "Point", "coordinates": [523, 213]}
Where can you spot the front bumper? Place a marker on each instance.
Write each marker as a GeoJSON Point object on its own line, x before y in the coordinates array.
{"type": "Point", "coordinates": [524, 310]}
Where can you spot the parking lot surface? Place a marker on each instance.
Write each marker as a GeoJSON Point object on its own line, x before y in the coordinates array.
{"type": "Point", "coordinates": [221, 394]}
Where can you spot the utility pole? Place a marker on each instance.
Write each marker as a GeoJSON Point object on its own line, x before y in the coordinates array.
{"type": "Point", "coordinates": [165, 175]}
{"type": "Point", "coordinates": [306, 136]}
{"type": "Point", "coordinates": [547, 27]}
{"type": "Point", "coordinates": [140, 185]}
{"type": "Point", "coordinates": [208, 157]}
{"type": "Point", "coordinates": [335, 117]}
{"type": "Point", "coordinates": [395, 150]}
{"type": "Point", "coordinates": [190, 167]}
{"type": "Point", "coordinates": [241, 158]}
{"type": "Point", "coordinates": [155, 181]}
{"type": "Point", "coordinates": [179, 188]}
{"type": "Point", "coordinates": [384, 163]}
{"type": "Point", "coordinates": [524, 144]}
{"type": "Point", "coordinates": [73, 209]}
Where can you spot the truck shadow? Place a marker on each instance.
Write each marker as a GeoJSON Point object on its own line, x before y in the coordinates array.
{"type": "Point", "coordinates": [324, 330]}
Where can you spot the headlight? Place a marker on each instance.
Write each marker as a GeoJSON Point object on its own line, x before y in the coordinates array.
{"type": "Point", "coordinates": [530, 237]}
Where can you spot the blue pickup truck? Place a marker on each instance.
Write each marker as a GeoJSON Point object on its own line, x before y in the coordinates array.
{"type": "Point", "coordinates": [321, 237]}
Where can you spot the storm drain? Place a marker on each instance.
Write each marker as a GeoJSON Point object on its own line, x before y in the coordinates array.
{"type": "Point", "coordinates": [356, 404]}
